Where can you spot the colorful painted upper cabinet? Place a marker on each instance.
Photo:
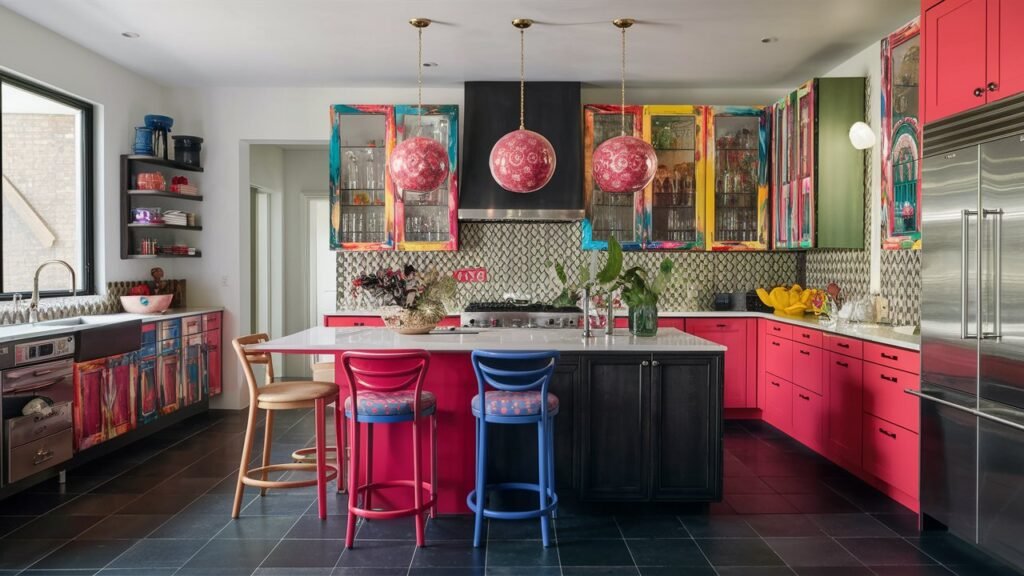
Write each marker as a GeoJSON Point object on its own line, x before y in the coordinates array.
{"type": "Point", "coordinates": [972, 50]}
{"type": "Point", "coordinates": [607, 215]}
{"type": "Point", "coordinates": [675, 208]}
{"type": "Point", "coordinates": [901, 138]}
{"type": "Point", "coordinates": [367, 211]}
{"type": "Point", "coordinates": [737, 178]}
{"type": "Point", "coordinates": [818, 176]}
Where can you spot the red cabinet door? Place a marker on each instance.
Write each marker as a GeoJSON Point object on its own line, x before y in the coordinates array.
{"type": "Point", "coordinates": [807, 422]}
{"type": "Point", "coordinates": [1005, 48]}
{"type": "Point", "coordinates": [955, 42]}
{"type": "Point", "coordinates": [731, 333]}
{"type": "Point", "coordinates": [844, 409]}
{"type": "Point", "coordinates": [87, 414]}
{"type": "Point", "coordinates": [779, 357]}
{"type": "Point", "coordinates": [778, 404]}
{"type": "Point", "coordinates": [807, 366]}
{"type": "Point", "coordinates": [213, 362]}
{"type": "Point", "coordinates": [891, 454]}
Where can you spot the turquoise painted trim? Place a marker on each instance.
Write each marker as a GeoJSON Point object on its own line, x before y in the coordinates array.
{"type": "Point", "coordinates": [589, 243]}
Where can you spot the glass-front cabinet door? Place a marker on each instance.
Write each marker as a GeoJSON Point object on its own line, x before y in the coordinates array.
{"type": "Point", "coordinates": [901, 138]}
{"type": "Point", "coordinates": [782, 129]}
{"type": "Point", "coordinates": [429, 220]}
{"type": "Point", "coordinates": [737, 178]}
{"type": "Point", "coordinates": [674, 203]}
{"type": "Point", "coordinates": [362, 201]}
{"type": "Point", "coordinates": [803, 233]}
{"type": "Point", "coordinates": [607, 215]}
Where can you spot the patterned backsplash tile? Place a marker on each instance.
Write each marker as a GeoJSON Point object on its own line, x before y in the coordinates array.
{"type": "Point", "coordinates": [515, 255]}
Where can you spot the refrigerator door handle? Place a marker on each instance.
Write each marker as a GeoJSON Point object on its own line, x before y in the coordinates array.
{"type": "Point", "coordinates": [973, 412]}
{"type": "Point", "coordinates": [997, 274]}
{"type": "Point", "coordinates": [965, 216]}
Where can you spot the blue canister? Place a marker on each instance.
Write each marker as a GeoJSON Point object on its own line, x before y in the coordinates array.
{"type": "Point", "coordinates": [143, 141]}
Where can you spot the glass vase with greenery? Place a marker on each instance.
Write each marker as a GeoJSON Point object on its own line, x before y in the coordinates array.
{"type": "Point", "coordinates": [640, 292]}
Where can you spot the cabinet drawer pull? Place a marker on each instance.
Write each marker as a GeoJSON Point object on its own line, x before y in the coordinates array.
{"type": "Point", "coordinates": [721, 325]}
{"type": "Point", "coordinates": [655, 363]}
{"type": "Point", "coordinates": [841, 363]}
{"type": "Point", "coordinates": [776, 384]}
{"type": "Point", "coordinates": [843, 345]}
{"type": "Point", "coordinates": [979, 92]}
{"type": "Point", "coordinates": [805, 397]}
{"type": "Point", "coordinates": [805, 335]}
{"type": "Point", "coordinates": [805, 352]}
{"type": "Point", "coordinates": [776, 329]}
{"type": "Point", "coordinates": [992, 86]}
{"type": "Point", "coordinates": [890, 378]}
{"type": "Point", "coordinates": [887, 433]}
{"type": "Point", "coordinates": [776, 343]}
{"type": "Point", "coordinates": [890, 356]}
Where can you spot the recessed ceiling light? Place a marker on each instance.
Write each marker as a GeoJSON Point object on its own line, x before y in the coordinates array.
{"type": "Point", "coordinates": [430, 64]}
{"type": "Point", "coordinates": [130, 34]}
{"type": "Point", "coordinates": [769, 40]}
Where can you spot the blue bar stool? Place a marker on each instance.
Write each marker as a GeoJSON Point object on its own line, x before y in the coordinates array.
{"type": "Point", "coordinates": [519, 396]}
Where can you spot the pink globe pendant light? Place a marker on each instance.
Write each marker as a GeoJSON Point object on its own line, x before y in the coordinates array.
{"type": "Point", "coordinates": [419, 164]}
{"type": "Point", "coordinates": [624, 164]}
{"type": "Point", "coordinates": [522, 161]}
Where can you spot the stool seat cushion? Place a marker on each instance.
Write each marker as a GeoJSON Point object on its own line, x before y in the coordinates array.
{"type": "Point", "coordinates": [281, 392]}
{"type": "Point", "coordinates": [508, 403]}
{"type": "Point", "coordinates": [374, 403]}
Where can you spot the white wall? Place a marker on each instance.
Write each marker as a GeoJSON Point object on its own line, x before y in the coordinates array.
{"type": "Point", "coordinates": [868, 63]}
{"type": "Point", "coordinates": [121, 98]}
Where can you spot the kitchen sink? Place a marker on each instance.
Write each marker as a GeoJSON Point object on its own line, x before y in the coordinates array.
{"type": "Point", "coordinates": [98, 337]}
{"type": "Point", "coordinates": [80, 321]}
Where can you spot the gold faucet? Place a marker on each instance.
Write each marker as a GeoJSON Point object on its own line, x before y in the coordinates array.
{"type": "Point", "coordinates": [33, 306]}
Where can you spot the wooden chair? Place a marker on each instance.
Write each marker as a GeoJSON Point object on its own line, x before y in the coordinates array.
{"type": "Point", "coordinates": [275, 396]}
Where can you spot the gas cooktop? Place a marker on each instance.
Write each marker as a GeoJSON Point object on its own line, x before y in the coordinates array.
{"type": "Point", "coordinates": [513, 315]}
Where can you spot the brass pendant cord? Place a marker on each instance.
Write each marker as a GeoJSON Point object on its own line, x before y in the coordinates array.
{"type": "Point", "coordinates": [522, 77]}
{"type": "Point", "coordinates": [622, 94]}
{"type": "Point", "coordinates": [419, 84]}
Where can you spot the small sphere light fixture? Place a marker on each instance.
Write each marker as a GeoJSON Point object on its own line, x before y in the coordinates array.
{"type": "Point", "coordinates": [624, 164]}
{"type": "Point", "coordinates": [419, 164]}
{"type": "Point", "coordinates": [522, 161]}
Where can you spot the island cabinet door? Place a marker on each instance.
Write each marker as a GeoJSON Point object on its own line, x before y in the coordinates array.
{"type": "Point", "coordinates": [614, 418]}
{"type": "Point", "coordinates": [686, 427]}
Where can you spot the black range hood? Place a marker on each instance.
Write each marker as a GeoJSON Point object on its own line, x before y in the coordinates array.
{"type": "Point", "coordinates": [491, 111]}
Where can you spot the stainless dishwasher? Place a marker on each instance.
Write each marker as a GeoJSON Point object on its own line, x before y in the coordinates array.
{"type": "Point", "coordinates": [44, 438]}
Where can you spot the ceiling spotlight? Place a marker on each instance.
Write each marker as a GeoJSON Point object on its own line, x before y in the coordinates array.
{"type": "Point", "coordinates": [430, 64]}
{"type": "Point", "coordinates": [769, 40]}
{"type": "Point", "coordinates": [130, 34]}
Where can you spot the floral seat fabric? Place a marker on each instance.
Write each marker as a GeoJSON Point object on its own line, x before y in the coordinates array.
{"type": "Point", "coordinates": [374, 403]}
{"type": "Point", "coordinates": [507, 403]}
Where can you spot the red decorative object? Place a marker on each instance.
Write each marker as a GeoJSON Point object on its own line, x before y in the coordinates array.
{"type": "Point", "coordinates": [419, 164]}
{"type": "Point", "coordinates": [470, 275]}
{"type": "Point", "coordinates": [522, 161]}
{"type": "Point", "coordinates": [624, 164]}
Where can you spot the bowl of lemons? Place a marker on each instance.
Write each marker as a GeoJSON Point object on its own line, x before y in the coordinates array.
{"type": "Point", "coordinates": [795, 300]}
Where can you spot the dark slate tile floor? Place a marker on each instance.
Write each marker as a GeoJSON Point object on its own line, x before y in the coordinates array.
{"type": "Point", "coordinates": [161, 507]}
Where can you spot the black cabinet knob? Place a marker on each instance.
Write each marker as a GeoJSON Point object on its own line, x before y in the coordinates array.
{"type": "Point", "coordinates": [979, 92]}
{"type": "Point", "coordinates": [992, 86]}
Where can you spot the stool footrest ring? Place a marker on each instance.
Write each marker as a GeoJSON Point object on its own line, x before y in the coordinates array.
{"type": "Point", "coordinates": [250, 479]}
{"type": "Point", "coordinates": [518, 514]}
{"type": "Point", "coordinates": [389, 514]}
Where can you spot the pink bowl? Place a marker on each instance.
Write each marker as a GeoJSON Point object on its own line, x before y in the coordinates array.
{"type": "Point", "coordinates": [147, 304]}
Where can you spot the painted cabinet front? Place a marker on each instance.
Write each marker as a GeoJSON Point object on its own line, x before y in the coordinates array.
{"type": "Point", "coordinates": [168, 366]}
{"type": "Point", "coordinates": [429, 220]}
{"type": "Point", "coordinates": [845, 388]}
{"type": "Point", "coordinates": [90, 385]}
{"type": "Point", "coordinates": [675, 207]}
{"type": "Point", "coordinates": [955, 45]}
{"type": "Point", "coordinates": [733, 333]}
{"type": "Point", "coordinates": [607, 215]}
{"type": "Point", "coordinates": [901, 138]}
{"type": "Point", "coordinates": [147, 375]}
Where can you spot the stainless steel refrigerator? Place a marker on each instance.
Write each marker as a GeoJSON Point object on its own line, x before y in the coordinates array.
{"type": "Point", "coordinates": [972, 327]}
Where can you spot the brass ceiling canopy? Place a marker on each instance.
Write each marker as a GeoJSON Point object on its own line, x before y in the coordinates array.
{"type": "Point", "coordinates": [522, 23]}
{"type": "Point", "coordinates": [623, 22]}
{"type": "Point", "coordinates": [420, 22]}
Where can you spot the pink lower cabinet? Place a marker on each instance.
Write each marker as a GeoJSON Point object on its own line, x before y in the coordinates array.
{"type": "Point", "coordinates": [808, 423]}
{"type": "Point", "coordinates": [807, 367]}
{"type": "Point", "coordinates": [778, 403]}
{"type": "Point", "coordinates": [779, 357]}
{"type": "Point", "coordinates": [212, 363]}
{"type": "Point", "coordinates": [891, 454]}
{"type": "Point", "coordinates": [87, 416]}
{"type": "Point", "coordinates": [884, 395]}
{"type": "Point", "coordinates": [146, 389]}
{"type": "Point", "coordinates": [740, 374]}
{"type": "Point", "coordinates": [844, 409]}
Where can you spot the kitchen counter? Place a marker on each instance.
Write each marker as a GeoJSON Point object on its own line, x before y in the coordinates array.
{"type": "Point", "coordinates": [41, 330]}
{"type": "Point", "coordinates": [324, 340]}
{"type": "Point", "coordinates": [880, 334]}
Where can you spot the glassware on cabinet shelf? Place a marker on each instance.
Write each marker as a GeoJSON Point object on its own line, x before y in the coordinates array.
{"type": "Point", "coordinates": [352, 178]}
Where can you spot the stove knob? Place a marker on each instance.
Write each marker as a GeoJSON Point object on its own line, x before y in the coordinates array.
{"type": "Point", "coordinates": [551, 321]}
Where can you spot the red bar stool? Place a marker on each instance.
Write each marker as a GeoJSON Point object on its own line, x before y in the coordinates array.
{"type": "Point", "coordinates": [386, 388]}
{"type": "Point", "coordinates": [275, 396]}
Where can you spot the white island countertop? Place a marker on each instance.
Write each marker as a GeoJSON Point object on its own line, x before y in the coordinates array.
{"type": "Point", "coordinates": [322, 340]}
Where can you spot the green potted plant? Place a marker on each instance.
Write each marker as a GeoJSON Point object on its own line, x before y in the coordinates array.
{"type": "Point", "coordinates": [412, 302]}
{"type": "Point", "coordinates": [640, 292]}
{"type": "Point", "coordinates": [600, 284]}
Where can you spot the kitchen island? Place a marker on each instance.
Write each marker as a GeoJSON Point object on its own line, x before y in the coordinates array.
{"type": "Point", "coordinates": [640, 419]}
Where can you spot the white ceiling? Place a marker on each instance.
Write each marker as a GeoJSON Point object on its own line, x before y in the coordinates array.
{"type": "Point", "coordinates": [684, 43]}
